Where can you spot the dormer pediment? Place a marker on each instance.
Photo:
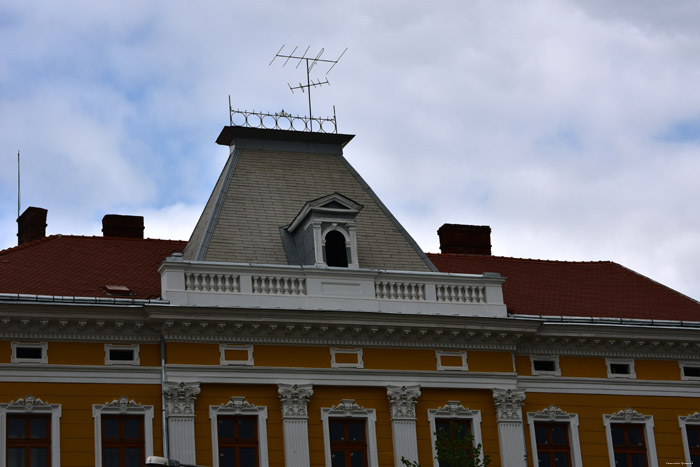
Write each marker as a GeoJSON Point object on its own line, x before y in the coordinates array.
{"type": "Point", "coordinates": [328, 208]}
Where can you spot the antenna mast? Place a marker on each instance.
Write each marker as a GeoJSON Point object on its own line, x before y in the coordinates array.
{"type": "Point", "coordinates": [310, 63]}
{"type": "Point", "coordinates": [18, 190]}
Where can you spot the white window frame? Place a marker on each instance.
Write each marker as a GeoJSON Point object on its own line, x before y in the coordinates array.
{"type": "Point", "coordinates": [349, 409]}
{"type": "Point", "coordinates": [630, 416]}
{"type": "Point", "coordinates": [44, 346]}
{"type": "Point", "coordinates": [683, 422]}
{"type": "Point", "coordinates": [122, 406]}
{"type": "Point", "coordinates": [554, 414]}
{"type": "Point", "coordinates": [550, 358]}
{"type": "Point", "coordinates": [31, 405]}
{"type": "Point", "coordinates": [451, 353]}
{"type": "Point", "coordinates": [239, 406]}
{"type": "Point", "coordinates": [133, 347]}
{"type": "Point", "coordinates": [356, 351]}
{"type": "Point", "coordinates": [454, 410]}
{"type": "Point", "coordinates": [689, 378]}
{"type": "Point", "coordinates": [620, 361]}
{"type": "Point", "coordinates": [240, 348]}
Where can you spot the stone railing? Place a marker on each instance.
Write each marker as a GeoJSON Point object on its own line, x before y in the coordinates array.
{"type": "Point", "coordinates": [312, 288]}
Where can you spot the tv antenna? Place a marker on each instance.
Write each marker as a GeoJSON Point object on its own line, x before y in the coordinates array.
{"type": "Point", "coordinates": [310, 64]}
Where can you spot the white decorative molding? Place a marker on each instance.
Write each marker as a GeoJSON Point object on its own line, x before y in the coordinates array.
{"type": "Point", "coordinates": [31, 405]}
{"type": "Point", "coordinates": [357, 352]}
{"type": "Point", "coordinates": [180, 398]}
{"type": "Point", "coordinates": [509, 403]}
{"type": "Point", "coordinates": [179, 410]}
{"type": "Point", "coordinates": [347, 408]}
{"type": "Point", "coordinates": [294, 399]}
{"type": "Point", "coordinates": [555, 414]}
{"type": "Point", "coordinates": [403, 401]}
{"type": "Point", "coordinates": [248, 349]}
{"type": "Point", "coordinates": [122, 406]}
{"type": "Point", "coordinates": [43, 346]}
{"type": "Point", "coordinates": [461, 354]}
{"type": "Point", "coordinates": [629, 415]}
{"type": "Point", "coordinates": [454, 410]}
{"type": "Point", "coordinates": [239, 406]}
{"type": "Point", "coordinates": [683, 422]}
{"type": "Point", "coordinates": [134, 348]}
{"type": "Point", "coordinates": [511, 436]}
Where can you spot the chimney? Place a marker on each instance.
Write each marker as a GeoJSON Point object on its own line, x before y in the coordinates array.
{"type": "Point", "coordinates": [31, 225]}
{"type": "Point", "coordinates": [115, 225]}
{"type": "Point", "coordinates": [465, 239]}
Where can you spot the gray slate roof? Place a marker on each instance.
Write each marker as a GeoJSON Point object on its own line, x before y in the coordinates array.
{"type": "Point", "coordinates": [268, 178]}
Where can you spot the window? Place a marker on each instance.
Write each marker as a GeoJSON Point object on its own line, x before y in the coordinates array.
{"type": "Point", "coordinates": [28, 440]}
{"type": "Point", "coordinates": [454, 433]}
{"type": "Point", "coordinates": [630, 439]}
{"type": "Point", "coordinates": [29, 352]}
{"type": "Point", "coordinates": [465, 419]}
{"type": "Point", "coordinates": [349, 435]}
{"type": "Point", "coordinates": [545, 365]}
{"type": "Point", "coordinates": [451, 360]}
{"type": "Point", "coordinates": [620, 368]}
{"type": "Point", "coordinates": [123, 442]}
{"type": "Point", "coordinates": [336, 254]}
{"type": "Point", "coordinates": [690, 428]}
{"type": "Point", "coordinates": [348, 442]}
{"type": "Point", "coordinates": [235, 354]}
{"type": "Point", "coordinates": [554, 438]}
{"type": "Point", "coordinates": [553, 448]}
{"type": "Point", "coordinates": [30, 433]}
{"type": "Point", "coordinates": [123, 433]}
{"type": "Point", "coordinates": [690, 371]}
{"type": "Point", "coordinates": [122, 354]}
{"type": "Point", "coordinates": [238, 440]}
{"type": "Point", "coordinates": [239, 434]}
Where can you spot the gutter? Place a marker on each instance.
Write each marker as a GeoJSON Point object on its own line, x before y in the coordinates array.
{"type": "Point", "coordinates": [16, 297]}
{"type": "Point", "coordinates": [608, 321]}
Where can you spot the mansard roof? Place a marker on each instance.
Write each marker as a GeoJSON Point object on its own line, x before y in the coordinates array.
{"type": "Point", "coordinates": [268, 179]}
{"type": "Point", "coordinates": [67, 265]}
{"type": "Point", "coordinates": [566, 288]}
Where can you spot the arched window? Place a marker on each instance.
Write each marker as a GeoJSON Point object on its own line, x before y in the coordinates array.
{"type": "Point", "coordinates": [335, 250]}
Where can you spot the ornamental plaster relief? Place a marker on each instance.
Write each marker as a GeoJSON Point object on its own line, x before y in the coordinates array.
{"type": "Point", "coordinates": [180, 398]}
{"type": "Point", "coordinates": [294, 399]}
{"type": "Point", "coordinates": [509, 404]}
{"type": "Point", "coordinates": [403, 401]}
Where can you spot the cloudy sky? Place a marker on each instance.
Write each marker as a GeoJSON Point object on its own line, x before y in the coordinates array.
{"type": "Point", "coordinates": [572, 128]}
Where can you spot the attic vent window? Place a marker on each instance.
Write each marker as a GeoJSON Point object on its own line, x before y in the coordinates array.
{"type": "Point", "coordinates": [690, 371]}
{"type": "Point", "coordinates": [118, 290]}
{"type": "Point", "coordinates": [336, 253]}
{"type": "Point", "coordinates": [545, 365]}
{"type": "Point", "coordinates": [122, 354]}
{"type": "Point", "coordinates": [620, 368]}
{"type": "Point", "coordinates": [29, 352]}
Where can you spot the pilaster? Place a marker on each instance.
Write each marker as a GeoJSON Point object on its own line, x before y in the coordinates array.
{"type": "Point", "coordinates": [403, 421]}
{"type": "Point", "coordinates": [179, 412]}
{"type": "Point", "coordinates": [294, 399]}
{"type": "Point", "coordinates": [511, 435]}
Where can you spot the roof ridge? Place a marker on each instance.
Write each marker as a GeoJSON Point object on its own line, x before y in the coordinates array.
{"type": "Point", "coordinates": [87, 237]}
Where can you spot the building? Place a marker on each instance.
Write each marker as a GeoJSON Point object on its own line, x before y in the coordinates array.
{"type": "Point", "coordinates": [301, 325]}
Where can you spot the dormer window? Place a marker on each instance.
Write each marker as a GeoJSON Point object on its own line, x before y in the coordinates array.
{"type": "Point", "coordinates": [323, 233]}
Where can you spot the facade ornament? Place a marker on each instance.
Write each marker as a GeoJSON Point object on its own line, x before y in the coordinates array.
{"type": "Point", "coordinates": [237, 405]}
{"type": "Point", "coordinates": [28, 403]}
{"type": "Point", "coordinates": [453, 409]}
{"type": "Point", "coordinates": [294, 399]}
{"type": "Point", "coordinates": [348, 407]}
{"type": "Point", "coordinates": [403, 401]}
{"type": "Point", "coordinates": [179, 398]}
{"type": "Point", "coordinates": [629, 415]}
{"type": "Point", "coordinates": [509, 403]}
{"type": "Point", "coordinates": [695, 417]}
{"type": "Point", "coordinates": [122, 404]}
{"type": "Point", "coordinates": [551, 413]}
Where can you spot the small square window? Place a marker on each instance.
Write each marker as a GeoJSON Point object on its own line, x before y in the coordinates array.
{"type": "Point", "coordinates": [122, 354]}
{"type": "Point", "coordinates": [346, 358]}
{"type": "Point", "coordinates": [236, 354]}
{"type": "Point", "coordinates": [29, 352]}
{"type": "Point", "coordinates": [451, 360]}
{"type": "Point", "coordinates": [620, 368]}
{"type": "Point", "coordinates": [690, 371]}
{"type": "Point", "coordinates": [545, 365]}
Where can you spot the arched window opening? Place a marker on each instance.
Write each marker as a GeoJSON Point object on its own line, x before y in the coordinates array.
{"type": "Point", "coordinates": [335, 250]}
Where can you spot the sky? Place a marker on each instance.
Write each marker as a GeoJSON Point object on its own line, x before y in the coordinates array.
{"type": "Point", "coordinates": [570, 127]}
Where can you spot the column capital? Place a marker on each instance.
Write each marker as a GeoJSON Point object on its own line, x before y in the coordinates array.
{"type": "Point", "coordinates": [509, 403]}
{"type": "Point", "coordinates": [294, 399]}
{"type": "Point", "coordinates": [403, 401]}
{"type": "Point", "coordinates": [179, 398]}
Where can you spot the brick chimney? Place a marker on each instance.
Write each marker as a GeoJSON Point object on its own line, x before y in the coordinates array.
{"type": "Point", "coordinates": [31, 225]}
{"type": "Point", "coordinates": [465, 239]}
{"type": "Point", "coordinates": [115, 225]}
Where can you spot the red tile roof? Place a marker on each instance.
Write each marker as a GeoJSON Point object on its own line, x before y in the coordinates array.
{"type": "Point", "coordinates": [67, 265]}
{"type": "Point", "coordinates": [564, 288]}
